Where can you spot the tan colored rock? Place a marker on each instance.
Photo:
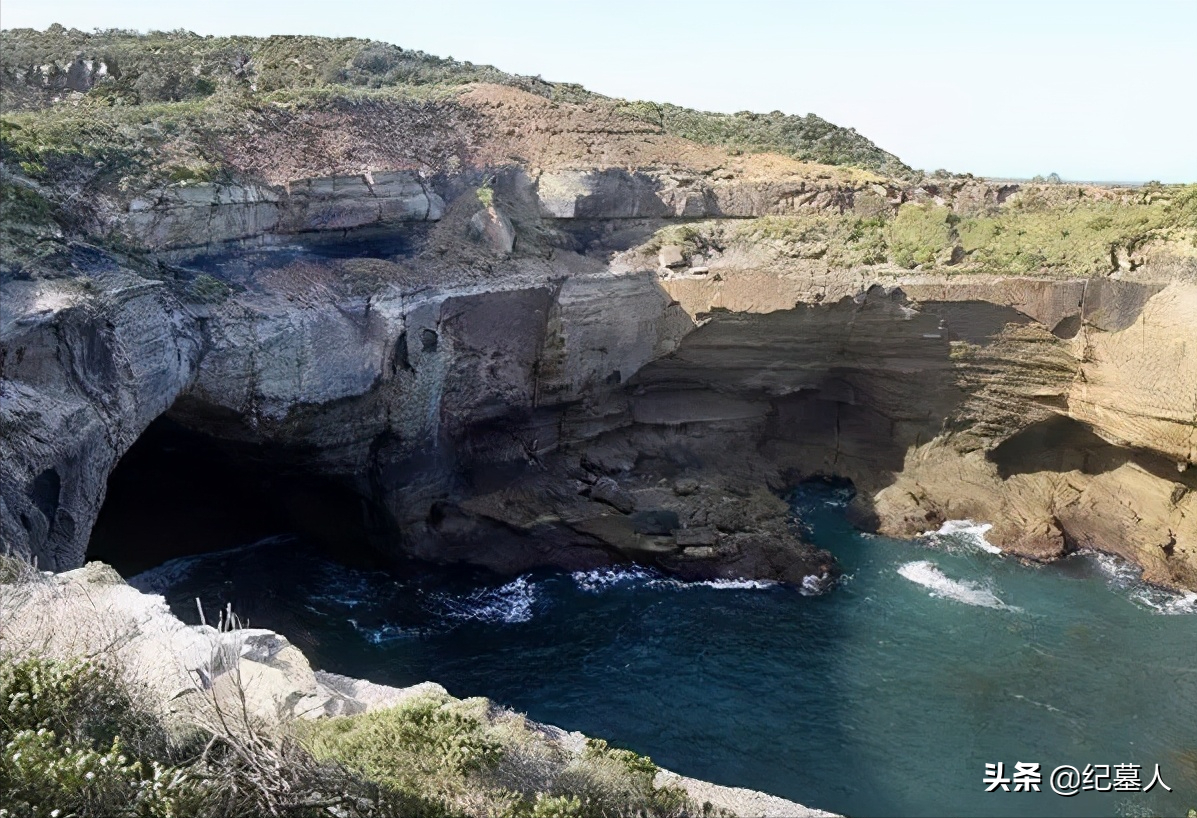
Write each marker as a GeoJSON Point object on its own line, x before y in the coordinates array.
{"type": "Point", "coordinates": [671, 255]}
{"type": "Point", "coordinates": [1138, 386]}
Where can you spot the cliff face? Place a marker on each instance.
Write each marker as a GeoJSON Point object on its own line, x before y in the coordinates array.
{"type": "Point", "coordinates": [1086, 445]}
{"type": "Point", "coordinates": [526, 331]}
{"type": "Point", "coordinates": [949, 400]}
{"type": "Point", "coordinates": [572, 411]}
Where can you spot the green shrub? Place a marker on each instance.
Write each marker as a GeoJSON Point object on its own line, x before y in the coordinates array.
{"type": "Point", "coordinates": [556, 806]}
{"type": "Point", "coordinates": [421, 747]}
{"type": "Point", "coordinates": [31, 231]}
{"type": "Point", "coordinates": [454, 753]}
{"type": "Point", "coordinates": [919, 234]}
{"type": "Point", "coordinates": [1073, 237]}
{"type": "Point", "coordinates": [61, 747]}
{"type": "Point", "coordinates": [808, 138]}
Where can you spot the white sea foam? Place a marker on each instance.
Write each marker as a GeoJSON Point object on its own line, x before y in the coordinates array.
{"type": "Point", "coordinates": [513, 602]}
{"type": "Point", "coordinates": [1165, 602]}
{"type": "Point", "coordinates": [1159, 600]}
{"type": "Point", "coordinates": [731, 584]}
{"type": "Point", "coordinates": [927, 574]}
{"type": "Point", "coordinates": [1125, 577]}
{"type": "Point", "coordinates": [382, 634]}
{"type": "Point", "coordinates": [965, 532]}
{"type": "Point", "coordinates": [1119, 572]}
{"type": "Point", "coordinates": [600, 579]}
{"type": "Point", "coordinates": [814, 584]}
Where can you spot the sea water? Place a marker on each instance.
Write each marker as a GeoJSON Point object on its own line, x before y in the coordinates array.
{"type": "Point", "coordinates": [886, 695]}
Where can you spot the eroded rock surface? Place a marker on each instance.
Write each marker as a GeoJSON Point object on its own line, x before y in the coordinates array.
{"type": "Point", "coordinates": [547, 381]}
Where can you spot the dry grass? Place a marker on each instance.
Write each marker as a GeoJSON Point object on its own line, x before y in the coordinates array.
{"type": "Point", "coordinates": [189, 734]}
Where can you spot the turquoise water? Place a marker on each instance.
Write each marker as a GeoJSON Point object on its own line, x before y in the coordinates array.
{"type": "Point", "coordinates": [885, 696]}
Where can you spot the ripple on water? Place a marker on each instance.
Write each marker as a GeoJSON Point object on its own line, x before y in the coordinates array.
{"type": "Point", "coordinates": [168, 575]}
{"type": "Point", "coordinates": [905, 675]}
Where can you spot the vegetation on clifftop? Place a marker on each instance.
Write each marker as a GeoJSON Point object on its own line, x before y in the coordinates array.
{"type": "Point", "coordinates": [455, 752]}
{"type": "Point", "coordinates": [73, 741]}
{"type": "Point", "coordinates": [122, 68]}
{"type": "Point", "coordinates": [91, 735]}
{"type": "Point", "coordinates": [1062, 231]}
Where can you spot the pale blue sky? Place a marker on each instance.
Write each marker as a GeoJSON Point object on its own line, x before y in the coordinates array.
{"type": "Point", "coordinates": [1087, 89]}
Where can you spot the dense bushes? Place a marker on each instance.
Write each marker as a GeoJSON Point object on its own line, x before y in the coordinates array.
{"type": "Point", "coordinates": [808, 138]}
{"type": "Point", "coordinates": [919, 234]}
{"type": "Point", "coordinates": [468, 760]}
{"type": "Point", "coordinates": [75, 742]}
{"type": "Point", "coordinates": [1061, 231]}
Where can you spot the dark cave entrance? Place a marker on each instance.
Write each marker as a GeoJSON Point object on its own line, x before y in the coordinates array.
{"type": "Point", "coordinates": [179, 492]}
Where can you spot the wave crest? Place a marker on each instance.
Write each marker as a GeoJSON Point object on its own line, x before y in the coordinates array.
{"type": "Point", "coordinates": [962, 532]}
{"type": "Point", "coordinates": [1125, 577]}
{"type": "Point", "coordinates": [513, 602]}
{"type": "Point", "coordinates": [601, 579]}
{"type": "Point", "coordinates": [927, 574]}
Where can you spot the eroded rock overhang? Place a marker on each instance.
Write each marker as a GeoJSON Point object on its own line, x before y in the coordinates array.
{"type": "Point", "coordinates": [633, 398]}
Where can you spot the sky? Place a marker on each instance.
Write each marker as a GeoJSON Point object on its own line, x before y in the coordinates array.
{"type": "Point", "coordinates": [1089, 89]}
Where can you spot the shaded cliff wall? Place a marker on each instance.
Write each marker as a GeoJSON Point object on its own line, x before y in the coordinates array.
{"type": "Point", "coordinates": [561, 409]}
{"type": "Point", "coordinates": [404, 399]}
{"type": "Point", "coordinates": [1061, 411]}
{"type": "Point", "coordinates": [84, 371]}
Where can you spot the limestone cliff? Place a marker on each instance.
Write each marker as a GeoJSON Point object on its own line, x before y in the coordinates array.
{"type": "Point", "coordinates": [529, 330]}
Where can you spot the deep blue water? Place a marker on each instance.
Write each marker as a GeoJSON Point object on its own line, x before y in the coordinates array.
{"type": "Point", "coordinates": [885, 696]}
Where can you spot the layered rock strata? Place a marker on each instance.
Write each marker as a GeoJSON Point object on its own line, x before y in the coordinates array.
{"type": "Point", "coordinates": [550, 400]}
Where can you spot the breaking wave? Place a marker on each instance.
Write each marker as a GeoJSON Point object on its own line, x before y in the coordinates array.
{"type": "Point", "coordinates": [1126, 578]}
{"type": "Point", "coordinates": [513, 602]}
{"type": "Point", "coordinates": [601, 579]}
{"type": "Point", "coordinates": [927, 574]}
{"type": "Point", "coordinates": [962, 532]}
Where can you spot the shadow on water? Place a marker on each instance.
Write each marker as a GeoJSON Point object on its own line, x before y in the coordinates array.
{"type": "Point", "coordinates": [178, 492]}
{"type": "Point", "coordinates": [886, 696]}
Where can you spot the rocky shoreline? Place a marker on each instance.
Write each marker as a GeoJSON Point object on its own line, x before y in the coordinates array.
{"type": "Point", "coordinates": [493, 321]}
{"type": "Point", "coordinates": [572, 412]}
{"type": "Point", "coordinates": [188, 672]}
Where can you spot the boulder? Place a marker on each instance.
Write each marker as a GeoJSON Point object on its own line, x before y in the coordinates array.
{"type": "Point", "coordinates": [493, 230]}
{"type": "Point", "coordinates": [606, 490]}
{"type": "Point", "coordinates": [671, 256]}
